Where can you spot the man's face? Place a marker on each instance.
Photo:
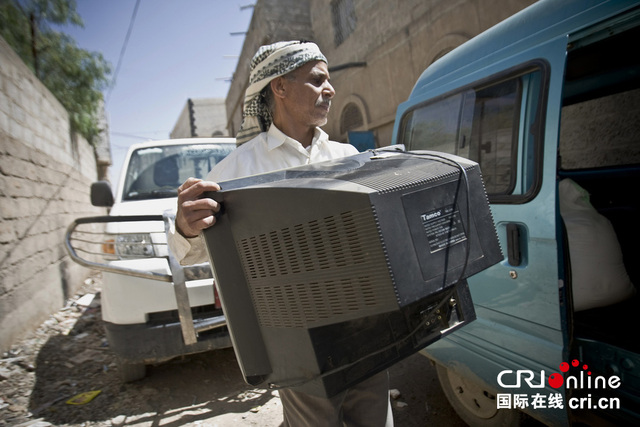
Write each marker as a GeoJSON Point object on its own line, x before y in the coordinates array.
{"type": "Point", "coordinates": [309, 94]}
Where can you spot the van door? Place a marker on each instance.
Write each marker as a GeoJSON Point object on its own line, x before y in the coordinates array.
{"type": "Point", "coordinates": [503, 111]}
{"type": "Point", "coordinates": [598, 168]}
{"type": "Point", "coordinates": [506, 118]}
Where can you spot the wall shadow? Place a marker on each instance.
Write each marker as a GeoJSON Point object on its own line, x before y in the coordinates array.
{"type": "Point", "coordinates": [184, 390]}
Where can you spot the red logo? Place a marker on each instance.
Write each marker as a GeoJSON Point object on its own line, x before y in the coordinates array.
{"type": "Point", "coordinates": [556, 380]}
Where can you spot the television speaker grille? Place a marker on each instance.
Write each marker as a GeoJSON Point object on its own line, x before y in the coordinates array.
{"type": "Point", "coordinates": [320, 272]}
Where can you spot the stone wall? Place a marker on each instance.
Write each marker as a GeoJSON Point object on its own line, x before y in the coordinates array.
{"type": "Point", "coordinates": [396, 41]}
{"type": "Point", "coordinates": [272, 21]}
{"type": "Point", "coordinates": [375, 67]}
{"type": "Point", "coordinates": [45, 176]}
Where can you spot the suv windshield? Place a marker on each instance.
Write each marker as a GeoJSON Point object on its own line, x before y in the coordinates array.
{"type": "Point", "coordinates": [157, 172]}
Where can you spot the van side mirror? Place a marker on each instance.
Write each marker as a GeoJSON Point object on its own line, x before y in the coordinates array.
{"type": "Point", "coordinates": [101, 194]}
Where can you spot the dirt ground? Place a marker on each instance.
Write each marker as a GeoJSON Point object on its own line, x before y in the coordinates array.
{"type": "Point", "coordinates": [47, 379]}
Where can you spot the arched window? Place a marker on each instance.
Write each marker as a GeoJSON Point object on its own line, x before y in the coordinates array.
{"type": "Point", "coordinates": [351, 118]}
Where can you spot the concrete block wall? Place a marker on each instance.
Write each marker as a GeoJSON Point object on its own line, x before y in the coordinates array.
{"type": "Point", "coordinates": [45, 176]}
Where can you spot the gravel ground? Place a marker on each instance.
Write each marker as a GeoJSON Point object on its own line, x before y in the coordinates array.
{"type": "Point", "coordinates": [63, 374]}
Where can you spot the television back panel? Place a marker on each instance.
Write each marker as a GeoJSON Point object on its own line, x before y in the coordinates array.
{"type": "Point", "coordinates": [331, 272]}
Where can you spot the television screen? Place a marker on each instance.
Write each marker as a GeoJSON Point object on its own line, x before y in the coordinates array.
{"type": "Point", "coordinates": [331, 272]}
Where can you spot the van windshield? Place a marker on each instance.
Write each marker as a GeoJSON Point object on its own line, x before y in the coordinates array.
{"type": "Point", "coordinates": [157, 172]}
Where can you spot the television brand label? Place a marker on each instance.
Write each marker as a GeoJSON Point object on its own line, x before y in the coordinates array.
{"type": "Point", "coordinates": [443, 227]}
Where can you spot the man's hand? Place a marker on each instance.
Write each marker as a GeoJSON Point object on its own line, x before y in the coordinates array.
{"type": "Point", "coordinates": [195, 213]}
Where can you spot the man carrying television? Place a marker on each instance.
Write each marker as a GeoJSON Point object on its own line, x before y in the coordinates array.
{"type": "Point", "coordinates": [288, 99]}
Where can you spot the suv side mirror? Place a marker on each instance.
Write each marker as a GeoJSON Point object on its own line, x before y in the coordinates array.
{"type": "Point", "coordinates": [101, 194]}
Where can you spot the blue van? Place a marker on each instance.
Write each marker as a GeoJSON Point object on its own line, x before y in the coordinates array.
{"type": "Point", "coordinates": [548, 103]}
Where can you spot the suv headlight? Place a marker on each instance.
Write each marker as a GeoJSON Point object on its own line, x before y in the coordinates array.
{"type": "Point", "coordinates": [136, 245]}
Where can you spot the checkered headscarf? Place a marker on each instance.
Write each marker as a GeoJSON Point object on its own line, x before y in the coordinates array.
{"type": "Point", "coordinates": [269, 62]}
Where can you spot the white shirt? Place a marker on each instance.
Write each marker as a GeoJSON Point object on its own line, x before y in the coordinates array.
{"type": "Point", "coordinates": [267, 152]}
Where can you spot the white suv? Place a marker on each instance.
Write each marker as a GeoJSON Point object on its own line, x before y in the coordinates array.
{"type": "Point", "coordinates": [141, 312]}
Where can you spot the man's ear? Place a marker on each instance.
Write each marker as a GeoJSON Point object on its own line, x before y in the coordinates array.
{"type": "Point", "coordinates": [278, 87]}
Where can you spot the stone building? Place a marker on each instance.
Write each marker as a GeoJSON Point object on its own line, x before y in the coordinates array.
{"type": "Point", "coordinates": [376, 50]}
{"type": "Point", "coordinates": [204, 117]}
{"type": "Point", "coordinates": [273, 20]}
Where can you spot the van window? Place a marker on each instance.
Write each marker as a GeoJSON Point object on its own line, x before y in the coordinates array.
{"type": "Point", "coordinates": [601, 132]}
{"type": "Point", "coordinates": [601, 102]}
{"type": "Point", "coordinates": [483, 124]}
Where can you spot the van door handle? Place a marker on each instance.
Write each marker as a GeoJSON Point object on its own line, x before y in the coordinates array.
{"type": "Point", "coordinates": [514, 252]}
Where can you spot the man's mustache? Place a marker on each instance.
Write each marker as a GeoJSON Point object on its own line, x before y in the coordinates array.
{"type": "Point", "coordinates": [323, 103]}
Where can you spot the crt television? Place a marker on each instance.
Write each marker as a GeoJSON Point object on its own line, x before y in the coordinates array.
{"type": "Point", "coordinates": [331, 272]}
